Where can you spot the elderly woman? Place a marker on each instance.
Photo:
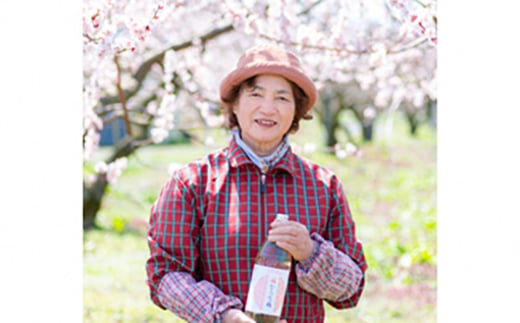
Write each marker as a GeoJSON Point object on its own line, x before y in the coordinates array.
{"type": "Point", "coordinates": [212, 216]}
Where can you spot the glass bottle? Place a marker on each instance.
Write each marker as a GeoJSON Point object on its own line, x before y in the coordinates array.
{"type": "Point", "coordinates": [269, 281]}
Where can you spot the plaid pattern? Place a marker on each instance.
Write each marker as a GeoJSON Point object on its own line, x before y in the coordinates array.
{"type": "Point", "coordinates": [329, 274]}
{"type": "Point", "coordinates": [194, 301]}
{"type": "Point", "coordinates": [212, 216]}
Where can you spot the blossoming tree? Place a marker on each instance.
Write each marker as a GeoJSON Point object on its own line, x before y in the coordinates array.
{"type": "Point", "coordinates": [157, 64]}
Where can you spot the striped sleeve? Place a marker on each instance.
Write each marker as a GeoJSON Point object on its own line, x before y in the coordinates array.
{"type": "Point", "coordinates": [172, 223]}
{"type": "Point", "coordinates": [342, 234]}
{"type": "Point", "coordinates": [194, 301]}
{"type": "Point", "coordinates": [330, 274]}
{"type": "Point", "coordinates": [336, 272]}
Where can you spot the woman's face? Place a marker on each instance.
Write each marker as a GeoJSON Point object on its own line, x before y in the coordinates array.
{"type": "Point", "coordinates": [265, 112]}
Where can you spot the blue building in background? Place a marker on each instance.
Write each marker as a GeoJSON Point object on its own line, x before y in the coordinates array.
{"type": "Point", "coordinates": [112, 132]}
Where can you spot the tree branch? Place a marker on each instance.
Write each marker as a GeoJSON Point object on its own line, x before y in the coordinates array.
{"type": "Point", "coordinates": [145, 67]}
{"type": "Point", "coordinates": [390, 51]}
{"type": "Point", "coordinates": [309, 8]}
{"type": "Point", "coordinates": [122, 97]}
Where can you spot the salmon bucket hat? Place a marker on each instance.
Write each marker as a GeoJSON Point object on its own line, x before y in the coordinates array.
{"type": "Point", "coordinates": [267, 59]}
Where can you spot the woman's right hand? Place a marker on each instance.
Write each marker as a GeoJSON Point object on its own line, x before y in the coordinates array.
{"type": "Point", "coordinates": [234, 315]}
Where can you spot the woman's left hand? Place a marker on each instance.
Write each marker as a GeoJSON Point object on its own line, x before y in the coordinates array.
{"type": "Point", "coordinates": [293, 237]}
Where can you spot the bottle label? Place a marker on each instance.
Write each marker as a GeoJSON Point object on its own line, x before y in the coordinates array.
{"type": "Point", "coordinates": [267, 290]}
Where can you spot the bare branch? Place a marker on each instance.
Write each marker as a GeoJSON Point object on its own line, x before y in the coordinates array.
{"type": "Point", "coordinates": [146, 66]}
{"type": "Point", "coordinates": [408, 46]}
{"type": "Point", "coordinates": [87, 36]}
{"type": "Point", "coordinates": [420, 3]}
{"type": "Point", "coordinates": [413, 44]}
{"type": "Point", "coordinates": [122, 97]}
{"type": "Point", "coordinates": [309, 8]}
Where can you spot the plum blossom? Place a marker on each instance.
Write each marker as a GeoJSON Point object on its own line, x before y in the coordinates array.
{"type": "Point", "coordinates": [309, 148]}
{"type": "Point", "coordinates": [369, 112]}
{"type": "Point", "coordinates": [418, 99]}
{"type": "Point", "coordinates": [169, 68]}
{"type": "Point", "coordinates": [92, 123]}
{"type": "Point", "coordinates": [378, 56]}
{"type": "Point", "coordinates": [419, 17]}
{"type": "Point", "coordinates": [91, 143]}
{"type": "Point", "coordinates": [329, 36]}
{"type": "Point", "coordinates": [340, 152]}
{"type": "Point", "coordinates": [209, 141]}
{"type": "Point", "coordinates": [164, 119]}
{"type": "Point", "coordinates": [349, 149]}
{"type": "Point", "coordinates": [113, 170]}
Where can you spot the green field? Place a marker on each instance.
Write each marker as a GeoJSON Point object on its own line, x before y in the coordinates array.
{"type": "Point", "coordinates": [391, 189]}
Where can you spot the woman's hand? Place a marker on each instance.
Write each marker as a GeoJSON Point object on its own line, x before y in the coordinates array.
{"type": "Point", "coordinates": [293, 237]}
{"type": "Point", "coordinates": [234, 315]}
{"type": "Point", "coordinates": [237, 316]}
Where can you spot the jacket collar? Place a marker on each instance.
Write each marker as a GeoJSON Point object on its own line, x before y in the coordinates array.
{"type": "Point", "coordinates": [238, 158]}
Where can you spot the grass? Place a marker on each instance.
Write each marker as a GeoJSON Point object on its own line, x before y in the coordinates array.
{"type": "Point", "coordinates": [391, 189]}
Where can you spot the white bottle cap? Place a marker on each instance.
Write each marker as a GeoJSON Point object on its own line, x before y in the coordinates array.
{"type": "Point", "coordinates": [282, 217]}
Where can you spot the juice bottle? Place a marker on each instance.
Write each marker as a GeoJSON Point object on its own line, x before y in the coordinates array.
{"type": "Point", "coordinates": [269, 281]}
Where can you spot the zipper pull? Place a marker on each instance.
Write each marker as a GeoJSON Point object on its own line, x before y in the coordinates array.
{"type": "Point", "coordinates": [262, 186]}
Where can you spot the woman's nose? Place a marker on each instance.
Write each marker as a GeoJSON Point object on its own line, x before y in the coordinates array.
{"type": "Point", "coordinates": [268, 105]}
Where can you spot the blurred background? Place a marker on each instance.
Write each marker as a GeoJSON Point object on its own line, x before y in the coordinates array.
{"type": "Point", "coordinates": [151, 72]}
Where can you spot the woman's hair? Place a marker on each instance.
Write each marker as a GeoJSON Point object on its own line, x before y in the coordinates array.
{"type": "Point", "coordinates": [300, 102]}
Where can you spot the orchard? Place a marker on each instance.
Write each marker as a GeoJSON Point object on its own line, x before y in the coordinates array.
{"type": "Point", "coordinates": [157, 65]}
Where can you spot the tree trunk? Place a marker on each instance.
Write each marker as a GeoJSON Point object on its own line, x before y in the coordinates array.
{"type": "Point", "coordinates": [432, 113]}
{"type": "Point", "coordinates": [413, 128]}
{"type": "Point", "coordinates": [413, 123]}
{"type": "Point", "coordinates": [331, 139]}
{"type": "Point", "coordinates": [368, 131]}
{"type": "Point", "coordinates": [329, 119]}
{"type": "Point", "coordinates": [367, 125]}
{"type": "Point", "coordinates": [92, 197]}
{"type": "Point", "coordinates": [93, 194]}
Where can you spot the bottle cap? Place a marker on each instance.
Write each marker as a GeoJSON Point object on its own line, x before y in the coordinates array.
{"type": "Point", "coordinates": [282, 217]}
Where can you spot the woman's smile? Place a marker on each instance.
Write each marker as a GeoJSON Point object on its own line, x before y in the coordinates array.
{"type": "Point", "coordinates": [265, 122]}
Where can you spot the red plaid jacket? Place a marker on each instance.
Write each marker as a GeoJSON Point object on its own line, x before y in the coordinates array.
{"type": "Point", "coordinates": [211, 218]}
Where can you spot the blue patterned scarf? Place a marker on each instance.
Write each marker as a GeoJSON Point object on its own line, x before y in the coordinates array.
{"type": "Point", "coordinates": [263, 162]}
